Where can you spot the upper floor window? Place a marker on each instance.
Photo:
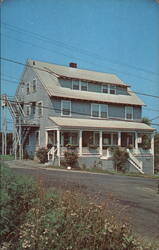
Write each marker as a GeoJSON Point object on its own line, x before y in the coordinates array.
{"type": "Point", "coordinates": [84, 86]}
{"type": "Point", "coordinates": [95, 110]}
{"type": "Point", "coordinates": [33, 108]}
{"type": "Point", "coordinates": [128, 113]}
{"type": "Point", "coordinates": [99, 110]}
{"type": "Point", "coordinates": [105, 88]}
{"type": "Point", "coordinates": [103, 110]}
{"type": "Point", "coordinates": [66, 108]}
{"type": "Point", "coordinates": [34, 85]}
{"type": "Point", "coordinates": [75, 84]}
{"type": "Point", "coordinates": [28, 88]}
{"type": "Point", "coordinates": [112, 89]}
{"type": "Point", "coordinates": [27, 110]}
{"type": "Point", "coordinates": [40, 110]}
{"type": "Point", "coordinates": [109, 89]}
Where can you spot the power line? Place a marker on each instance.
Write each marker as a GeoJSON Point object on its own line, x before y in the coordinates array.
{"type": "Point", "coordinates": [56, 109]}
{"type": "Point", "coordinates": [157, 117]}
{"type": "Point", "coordinates": [6, 80]}
{"type": "Point", "coordinates": [83, 51]}
{"type": "Point", "coordinates": [50, 72]}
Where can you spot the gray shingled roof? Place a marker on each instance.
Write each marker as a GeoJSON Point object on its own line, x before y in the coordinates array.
{"type": "Point", "coordinates": [51, 84]}
{"type": "Point", "coordinates": [101, 124]}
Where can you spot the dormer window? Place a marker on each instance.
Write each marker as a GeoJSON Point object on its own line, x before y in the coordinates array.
{"type": "Point", "coordinates": [112, 90]}
{"type": "Point", "coordinates": [105, 88]}
{"type": "Point", "coordinates": [34, 85]}
{"type": "Point", "coordinates": [84, 86]}
{"type": "Point", "coordinates": [28, 88]}
{"type": "Point", "coordinates": [104, 111]}
{"type": "Point", "coordinates": [75, 85]}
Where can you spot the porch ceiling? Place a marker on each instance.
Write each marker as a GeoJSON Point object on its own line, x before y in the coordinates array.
{"type": "Point", "coordinates": [101, 124]}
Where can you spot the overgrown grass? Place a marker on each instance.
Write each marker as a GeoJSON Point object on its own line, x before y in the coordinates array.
{"type": "Point", "coordinates": [36, 218]}
{"type": "Point", "coordinates": [6, 157]}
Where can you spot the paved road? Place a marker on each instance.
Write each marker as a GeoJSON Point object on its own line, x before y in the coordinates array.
{"type": "Point", "coordinates": [138, 195]}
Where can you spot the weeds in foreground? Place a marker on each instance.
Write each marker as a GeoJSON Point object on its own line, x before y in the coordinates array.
{"type": "Point", "coordinates": [46, 219]}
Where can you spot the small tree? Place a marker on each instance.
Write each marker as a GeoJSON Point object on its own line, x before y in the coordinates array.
{"type": "Point", "coordinates": [71, 158]}
{"type": "Point", "coordinates": [42, 155]}
{"type": "Point", "coordinates": [120, 157]}
{"type": "Point", "coordinates": [146, 121]}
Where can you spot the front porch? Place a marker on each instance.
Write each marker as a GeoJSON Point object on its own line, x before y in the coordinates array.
{"type": "Point", "coordinates": [96, 142]}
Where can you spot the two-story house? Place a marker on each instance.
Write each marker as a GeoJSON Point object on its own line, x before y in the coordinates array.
{"type": "Point", "coordinates": [90, 110]}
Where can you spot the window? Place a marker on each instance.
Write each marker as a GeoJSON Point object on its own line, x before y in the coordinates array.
{"type": "Point", "coordinates": [40, 111]}
{"type": "Point", "coordinates": [66, 108]}
{"type": "Point", "coordinates": [33, 108]}
{"type": "Point", "coordinates": [37, 137]}
{"type": "Point", "coordinates": [28, 89]}
{"type": "Point", "coordinates": [128, 113]}
{"type": "Point", "coordinates": [28, 110]}
{"type": "Point", "coordinates": [75, 84]}
{"type": "Point", "coordinates": [84, 86]}
{"type": "Point", "coordinates": [106, 139]}
{"type": "Point", "coordinates": [105, 88]}
{"type": "Point", "coordinates": [95, 110]}
{"type": "Point", "coordinates": [103, 110]}
{"type": "Point", "coordinates": [112, 89]}
{"type": "Point", "coordinates": [109, 89]}
{"type": "Point", "coordinates": [34, 85]}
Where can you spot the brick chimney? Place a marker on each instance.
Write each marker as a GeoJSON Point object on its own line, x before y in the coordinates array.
{"type": "Point", "coordinates": [73, 65]}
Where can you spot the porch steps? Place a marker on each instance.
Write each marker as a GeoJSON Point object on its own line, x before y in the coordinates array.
{"type": "Point", "coordinates": [135, 162]}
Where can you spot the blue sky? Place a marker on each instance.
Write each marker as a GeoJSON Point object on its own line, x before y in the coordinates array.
{"type": "Point", "coordinates": [114, 36]}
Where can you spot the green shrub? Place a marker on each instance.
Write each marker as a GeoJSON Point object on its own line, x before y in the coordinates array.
{"type": "Point", "coordinates": [120, 157]}
{"type": "Point", "coordinates": [42, 155]}
{"type": "Point", "coordinates": [71, 158]}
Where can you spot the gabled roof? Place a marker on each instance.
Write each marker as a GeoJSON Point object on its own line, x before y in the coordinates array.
{"type": "Point", "coordinates": [100, 124]}
{"type": "Point", "coordinates": [51, 83]}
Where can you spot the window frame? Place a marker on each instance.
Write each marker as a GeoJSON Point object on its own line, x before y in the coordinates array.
{"type": "Point", "coordinates": [103, 88]}
{"type": "Point", "coordinates": [62, 101]}
{"type": "Point", "coordinates": [34, 90]}
{"type": "Point", "coordinates": [41, 108]}
{"type": "Point", "coordinates": [28, 110]}
{"type": "Point", "coordinates": [99, 110]}
{"type": "Point", "coordinates": [132, 112]}
{"type": "Point", "coordinates": [81, 86]}
{"type": "Point", "coordinates": [76, 82]}
{"type": "Point", "coordinates": [28, 88]}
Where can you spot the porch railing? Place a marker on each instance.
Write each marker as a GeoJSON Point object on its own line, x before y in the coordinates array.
{"type": "Point", "coordinates": [135, 162]}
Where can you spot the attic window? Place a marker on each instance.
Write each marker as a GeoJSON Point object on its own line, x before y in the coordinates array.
{"type": "Point", "coordinates": [112, 89]}
{"type": "Point", "coordinates": [28, 89]}
{"type": "Point", "coordinates": [34, 85]}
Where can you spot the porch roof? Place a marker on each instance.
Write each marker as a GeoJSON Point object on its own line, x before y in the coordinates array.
{"type": "Point", "coordinates": [100, 124]}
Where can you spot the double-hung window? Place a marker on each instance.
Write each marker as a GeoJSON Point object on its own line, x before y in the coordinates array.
{"type": "Point", "coordinates": [27, 110]}
{"type": "Point", "coordinates": [84, 86]}
{"type": "Point", "coordinates": [105, 88]}
{"type": "Point", "coordinates": [129, 113]}
{"type": "Point", "coordinates": [103, 110]}
{"type": "Point", "coordinates": [40, 110]}
{"type": "Point", "coordinates": [99, 110]}
{"type": "Point", "coordinates": [75, 85]}
{"type": "Point", "coordinates": [112, 89]}
{"type": "Point", "coordinates": [95, 110]}
{"type": "Point", "coordinates": [66, 108]}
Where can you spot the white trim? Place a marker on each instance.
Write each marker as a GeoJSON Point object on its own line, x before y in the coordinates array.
{"type": "Point", "coordinates": [81, 85]}
{"type": "Point", "coordinates": [78, 84]}
{"type": "Point", "coordinates": [80, 142]}
{"type": "Point", "coordinates": [109, 88]}
{"type": "Point", "coordinates": [62, 101]}
{"type": "Point", "coordinates": [99, 110]}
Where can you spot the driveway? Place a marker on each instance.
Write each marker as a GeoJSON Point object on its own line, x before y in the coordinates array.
{"type": "Point", "coordinates": [136, 194]}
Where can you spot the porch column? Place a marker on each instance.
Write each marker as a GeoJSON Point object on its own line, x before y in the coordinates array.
{"type": "Point", "coordinates": [136, 142]}
{"type": "Point", "coordinates": [100, 142]}
{"type": "Point", "coordinates": [152, 144]}
{"type": "Point", "coordinates": [46, 137]}
{"type": "Point", "coordinates": [58, 142]}
{"type": "Point", "coordinates": [119, 138]}
{"type": "Point", "coordinates": [80, 142]}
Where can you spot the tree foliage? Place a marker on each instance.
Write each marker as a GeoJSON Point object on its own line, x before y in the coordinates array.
{"type": "Point", "coordinates": [120, 156]}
